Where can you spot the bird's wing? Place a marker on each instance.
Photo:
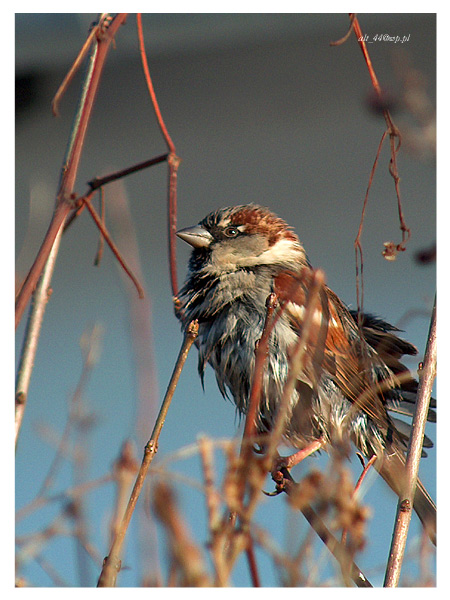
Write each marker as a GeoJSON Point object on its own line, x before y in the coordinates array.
{"type": "Point", "coordinates": [335, 345]}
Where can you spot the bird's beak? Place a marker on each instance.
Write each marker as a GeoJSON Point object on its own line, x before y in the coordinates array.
{"type": "Point", "coordinates": [197, 236]}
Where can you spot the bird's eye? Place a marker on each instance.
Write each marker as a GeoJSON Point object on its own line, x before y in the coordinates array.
{"type": "Point", "coordinates": [231, 231]}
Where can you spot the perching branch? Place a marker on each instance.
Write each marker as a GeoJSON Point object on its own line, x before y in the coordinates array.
{"type": "Point", "coordinates": [112, 563]}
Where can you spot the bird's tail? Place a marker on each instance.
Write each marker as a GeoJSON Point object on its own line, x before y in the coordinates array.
{"type": "Point", "coordinates": [392, 470]}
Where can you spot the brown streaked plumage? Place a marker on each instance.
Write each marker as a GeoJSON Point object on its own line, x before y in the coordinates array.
{"type": "Point", "coordinates": [352, 377]}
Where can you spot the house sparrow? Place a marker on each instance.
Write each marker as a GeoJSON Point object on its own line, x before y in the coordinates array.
{"type": "Point", "coordinates": [351, 374]}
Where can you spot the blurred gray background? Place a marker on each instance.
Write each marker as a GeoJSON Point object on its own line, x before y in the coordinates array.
{"type": "Point", "coordinates": [261, 109]}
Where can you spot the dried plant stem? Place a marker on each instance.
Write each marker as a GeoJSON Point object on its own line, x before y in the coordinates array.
{"type": "Point", "coordinates": [261, 353]}
{"type": "Point", "coordinates": [349, 569]}
{"type": "Point", "coordinates": [98, 182]}
{"type": "Point", "coordinates": [213, 502]}
{"type": "Point", "coordinates": [125, 469]}
{"type": "Point", "coordinates": [64, 198]}
{"type": "Point", "coordinates": [392, 130]}
{"type": "Point", "coordinates": [111, 244]}
{"type": "Point", "coordinates": [148, 79]}
{"type": "Point", "coordinates": [47, 246]}
{"type": "Point", "coordinates": [172, 160]}
{"type": "Point", "coordinates": [188, 565]}
{"type": "Point", "coordinates": [42, 268]}
{"type": "Point", "coordinates": [112, 563]}
{"type": "Point", "coordinates": [77, 63]}
{"type": "Point", "coordinates": [65, 496]}
{"type": "Point", "coordinates": [31, 336]}
{"type": "Point", "coordinates": [44, 264]}
{"type": "Point", "coordinates": [252, 472]}
{"type": "Point", "coordinates": [405, 503]}
{"type": "Point", "coordinates": [357, 242]}
{"type": "Point", "coordinates": [390, 251]}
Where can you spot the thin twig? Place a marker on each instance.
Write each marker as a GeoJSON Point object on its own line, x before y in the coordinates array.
{"type": "Point", "coordinates": [65, 496]}
{"type": "Point", "coordinates": [64, 202]}
{"type": "Point", "coordinates": [151, 90]}
{"type": "Point", "coordinates": [112, 245]}
{"type": "Point", "coordinates": [261, 355]}
{"type": "Point", "coordinates": [251, 559]}
{"type": "Point", "coordinates": [124, 471]}
{"type": "Point", "coordinates": [405, 503]}
{"type": "Point", "coordinates": [251, 472]}
{"type": "Point", "coordinates": [394, 134]}
{"type": "Point", "coordinates": [101, 240]}
{"type": "Point", "coordinates": [48, 245]}
{"type": "Point", "coordinates": [112, 563]}
{"type": "Point", "coordinates": [348, 34]}
{"type": "Point", "coordinates": [173, 161]}
{"type": "Point", "coordinates": [213, 501]}
{"type": "Point", "coordinates": [357, 243]}
{"type": "Point", "coordinates": [186, 556]}
{"type": "Point", "coordinates": [31, 336]}
{"type": "Point", "coordinates": [148, 398]}
{"type": "Point", "coordinates": [336, 548]}
{"type": "Point", "coordinates": [45, 260]}
{"type": "Point", "coordinates": [89, 360]}
{"type": "Point", "coordinates": [77, 63]}
{"type": "Point", "coordinates": [246, 472]}
{"type": "Point", "coordinates": [98, 182]}
{"type": "Point", "coordinates": [390, 248]}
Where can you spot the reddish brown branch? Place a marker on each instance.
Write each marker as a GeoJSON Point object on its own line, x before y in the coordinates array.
{"type": "Point", "coordinates": [162, 126]}
{"type": "Point", "coordinates": [103, 42]}
{"type": "Point", "coordinates": [363, 46]}
{"type": "Point", "coordinates": [112, 245]}
{"type": "Point", "coordinates": [64, 202]}
{"type": "Point", "coordinates": [28, 286]}
{"type": "Point", "coordinates": [98, 182]}
{"type": "Point", "coordinates": [173, 162]}
{"type": "Point", "coordinates": [112, 563]}
{"type": "Point", "coordinates": [357, 243]}
{"type": "Point", "coordinates": [348, 34]}
{"type": "Point", "coordinates": [101, 241]}
{"type": "Point", "coordinates": [98, 28]}
{"type": "Point", "coordinates": [261, 353]}
{"type": "Point", "coordinates": [406, 499]}
{"type": "Point", "coordinates": [251, 559]}
{"type": "Point", "coordinates": [391, 249]}
{"type": "Point", "coordinates": [186, 557]}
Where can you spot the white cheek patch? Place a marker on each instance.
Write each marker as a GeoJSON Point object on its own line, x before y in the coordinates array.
{"type": "Point", "coordinates": [284, 251]}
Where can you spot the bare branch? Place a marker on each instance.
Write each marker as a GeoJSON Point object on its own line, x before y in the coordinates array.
{"type": "Point", "coordinates": [112, 564]}
{"type": "Point", "coordinates": [406, 500]}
